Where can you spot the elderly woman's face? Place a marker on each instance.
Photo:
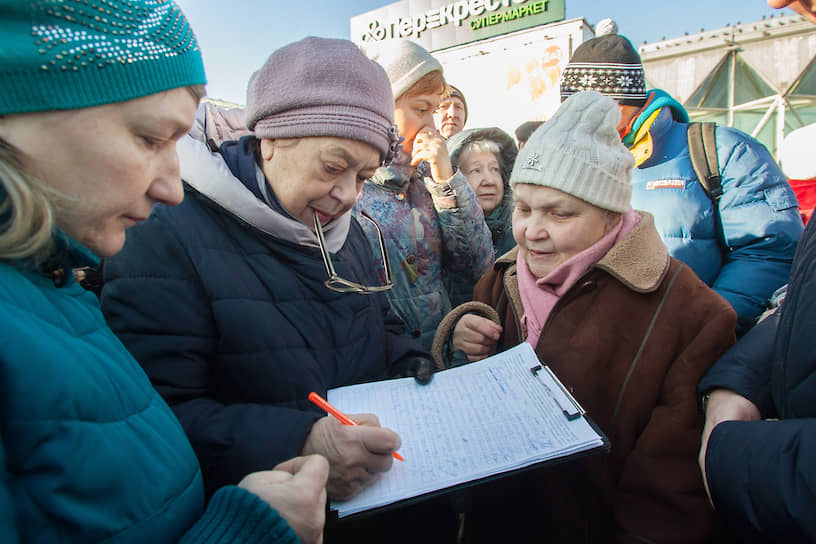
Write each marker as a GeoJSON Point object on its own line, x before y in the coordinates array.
{"type": "Point", "coordinates": [482, 171]}
{"type": "Point", "coordinates": [111, 162]}
{"type": "Point", "coordinates": [317, 175]}
{"type": "Point", "coordinates": [551, 226]}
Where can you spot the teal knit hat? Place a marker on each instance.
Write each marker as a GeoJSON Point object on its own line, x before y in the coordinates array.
{"type": "Point", "coordinates": [68, 54]}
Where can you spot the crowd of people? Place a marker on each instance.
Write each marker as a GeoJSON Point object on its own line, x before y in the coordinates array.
{"type": "Point", "coordinates": [155, 383]}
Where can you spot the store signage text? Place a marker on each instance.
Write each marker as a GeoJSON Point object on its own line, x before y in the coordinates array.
{"type": "Point", "coordinates": [457, 12]}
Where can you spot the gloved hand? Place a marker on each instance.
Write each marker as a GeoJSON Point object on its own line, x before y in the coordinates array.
{"type": "Point", "coordinates": [458, 358]}
{"type": "Point", "coordinates": [414, 366]}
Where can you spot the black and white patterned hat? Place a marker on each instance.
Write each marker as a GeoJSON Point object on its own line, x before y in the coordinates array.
{"type": "Point", "coordinates": [608, 64]}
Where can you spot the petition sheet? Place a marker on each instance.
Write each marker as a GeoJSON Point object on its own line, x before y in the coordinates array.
{"type": "Point", "coordinates": [470, 422]}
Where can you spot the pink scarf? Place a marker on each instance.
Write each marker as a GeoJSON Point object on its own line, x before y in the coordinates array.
{"type": "Point", "coordinates": [539, 295]}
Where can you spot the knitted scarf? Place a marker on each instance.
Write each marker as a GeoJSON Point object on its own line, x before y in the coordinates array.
{"type": "Point", "coordinates": [539, 295]}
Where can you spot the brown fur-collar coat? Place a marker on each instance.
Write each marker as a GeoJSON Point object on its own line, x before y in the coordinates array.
{"type": "Point", "coordinates": [630, 340]}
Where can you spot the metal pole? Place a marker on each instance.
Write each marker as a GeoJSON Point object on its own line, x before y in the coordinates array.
{"type": "Point", "coordinates": [732, 88]}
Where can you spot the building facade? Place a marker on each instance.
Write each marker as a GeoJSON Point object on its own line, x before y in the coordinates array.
{"type": "Point", "coordinates": [507, 57]}
{"type": "Point", "coordinates": [759, 77]}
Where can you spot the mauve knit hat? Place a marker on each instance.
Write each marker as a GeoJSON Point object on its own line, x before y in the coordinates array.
{"type": "Point", "coordinates": [578, 151]}
{"type": "Point", "coordinates": [323, 87]}
{"type": "Point", "coordinates": [404, 61]}
{"type": "Point", "coordinates": [608, 64]}
{"type": "Point", "coordinates": [68, 55]}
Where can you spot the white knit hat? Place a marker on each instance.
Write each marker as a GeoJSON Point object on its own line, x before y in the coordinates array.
{"type": "Point", "coordinates": [578, 151]}
{"type": "Point", "coordinates": [404, 61]}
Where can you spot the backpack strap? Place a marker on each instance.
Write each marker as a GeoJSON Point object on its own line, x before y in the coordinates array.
{"type": "Point", "coordinates": [703, 151]}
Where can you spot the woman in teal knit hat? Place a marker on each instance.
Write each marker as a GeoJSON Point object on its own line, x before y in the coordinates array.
{"type": "Point", "coordinates": [93, 97]}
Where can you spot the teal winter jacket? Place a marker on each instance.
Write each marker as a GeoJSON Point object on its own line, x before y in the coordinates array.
{"type": "Point", "coordinates": [89, 451]}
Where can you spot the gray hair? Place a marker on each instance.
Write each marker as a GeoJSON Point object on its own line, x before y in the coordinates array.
{"type": "Point", "coordinates": [481, 146]}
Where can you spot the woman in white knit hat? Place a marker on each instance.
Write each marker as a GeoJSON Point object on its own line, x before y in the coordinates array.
{"type": "Point", "coordinates": [629, 330]}
{"type": "Point", "coordinates": [433, 225]}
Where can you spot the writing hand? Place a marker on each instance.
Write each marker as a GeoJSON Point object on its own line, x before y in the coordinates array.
{"type": "Point", "coordinates": [356, 454]}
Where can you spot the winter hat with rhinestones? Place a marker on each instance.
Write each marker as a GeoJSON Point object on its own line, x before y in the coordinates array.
{"type": "Point", "coordinates": [68, 55]}
{"type": "Point", "coordinates": [578, 151]}
{"type": "Point", "coordinates": [323, 87]}
{"type": "Point", "coordinates": [608, 64]}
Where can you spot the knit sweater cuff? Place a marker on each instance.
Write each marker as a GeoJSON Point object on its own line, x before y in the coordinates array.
{"type": "Point", "coordinates": [236, 515]}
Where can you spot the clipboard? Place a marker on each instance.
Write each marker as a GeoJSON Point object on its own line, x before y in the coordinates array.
{"type": "Point", "coordinates": [569, 406]}
{"type": "Point", "coordinates": [448, 438]}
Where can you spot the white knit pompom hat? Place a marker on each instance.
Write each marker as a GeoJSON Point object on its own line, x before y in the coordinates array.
{"type": "Point", "coordinates": [578, 151]}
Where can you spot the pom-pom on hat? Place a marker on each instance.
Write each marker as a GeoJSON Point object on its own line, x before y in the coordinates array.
{"type": "Point", "coordinates": [404, 61]}
{"type": "Point", "coordinates": [69, 55]}
{"type": "Point", "coordinates": [578, 151]}
{"type": "Point", "coordinates": [323, 87]}
{"type": "Point", "coordinates": [608, 64]}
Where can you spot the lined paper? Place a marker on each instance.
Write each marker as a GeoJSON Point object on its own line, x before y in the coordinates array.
{"type": "Point", "coordinates": [470, 422]}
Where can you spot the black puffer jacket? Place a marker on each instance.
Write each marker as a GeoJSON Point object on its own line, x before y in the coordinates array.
{"type": "Point", "coordinates": [235, 327]}
{"type": "Point", "coordinates": [762, 474]}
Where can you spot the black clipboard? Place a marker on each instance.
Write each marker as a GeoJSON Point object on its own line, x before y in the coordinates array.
{"type": "Point", "coordinates": [602, 448]}
{"type": "Point", "coordinates": [571, 410]}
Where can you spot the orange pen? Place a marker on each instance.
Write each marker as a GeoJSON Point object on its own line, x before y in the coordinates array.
{"type": "Point", "coordinates": [339, 416]}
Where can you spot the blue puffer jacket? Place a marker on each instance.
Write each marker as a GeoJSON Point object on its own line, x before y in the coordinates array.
{"type": "Point", "coordinates": [762, 474]}
{"type": "Point", "coordinates": [90, 452]}
{"type": "Point", "coordinates": [758, 209]}
{"type": "Point", "coordinates": [234, 325]}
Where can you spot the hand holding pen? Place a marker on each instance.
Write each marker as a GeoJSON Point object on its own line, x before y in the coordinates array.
{"type": "Point", "coordinates": [356, 453]}
{"type": "Point", "coordinates": [323, 404]}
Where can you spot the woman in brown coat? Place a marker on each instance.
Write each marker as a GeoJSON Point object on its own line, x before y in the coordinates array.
{"type": "Point", "coordinates": [629, 330]}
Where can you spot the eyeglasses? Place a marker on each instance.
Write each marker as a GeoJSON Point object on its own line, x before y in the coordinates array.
{"type": "Point", "coordinates": [335, 282]}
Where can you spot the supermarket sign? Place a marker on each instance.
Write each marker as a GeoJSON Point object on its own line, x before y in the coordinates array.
{"type": "Point", "coordinates": [438, 25]}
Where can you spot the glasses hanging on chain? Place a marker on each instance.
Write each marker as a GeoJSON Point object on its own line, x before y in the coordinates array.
{"type": "Point", "coordinates": [335, 282]}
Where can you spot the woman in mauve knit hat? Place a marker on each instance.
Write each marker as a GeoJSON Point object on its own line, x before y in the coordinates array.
{"type": "Point", "coordinates": [260, 287]}
{"type": "Point", "coordinates": [93, 98]}
{"type": "Point", "coordinates": [628, 330]}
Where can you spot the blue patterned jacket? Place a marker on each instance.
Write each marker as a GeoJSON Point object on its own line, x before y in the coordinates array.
{"type": "Point", "coordinates": [436, 237]}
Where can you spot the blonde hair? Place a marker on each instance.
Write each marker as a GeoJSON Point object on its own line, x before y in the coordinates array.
{"type": "Point", "coordinates": [198, 92]}
{"type": "Point", "coordinates": [27, 224]}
